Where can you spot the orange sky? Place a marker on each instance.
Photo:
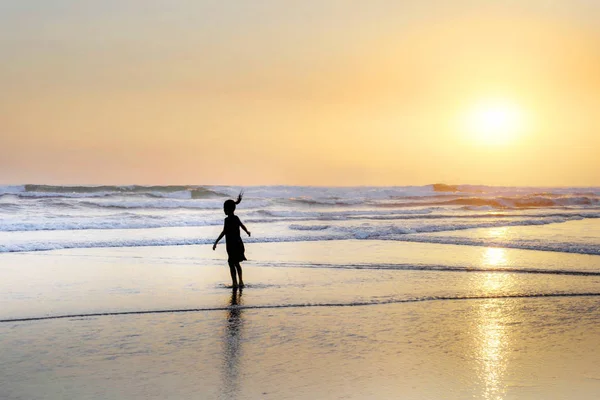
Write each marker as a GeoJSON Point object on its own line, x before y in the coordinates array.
{"type": "Point", "coordinates": [313, 92]}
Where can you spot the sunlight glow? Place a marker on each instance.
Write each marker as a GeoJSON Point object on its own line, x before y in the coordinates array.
{"type": "Point", "coordinates": [495, 123]}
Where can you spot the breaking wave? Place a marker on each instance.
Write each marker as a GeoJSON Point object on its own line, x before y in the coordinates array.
{"type": "Point", "coordinates": [49, 191]}
{"type": "Point", "coordinates": [500, 202]}
{"type": "Point", "coordinates": [286, 213]}
{"type": "Point", "coordinates": [437, 195]}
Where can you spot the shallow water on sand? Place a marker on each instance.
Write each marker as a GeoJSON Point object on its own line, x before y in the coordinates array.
{"type": "Point", "coordinates": [484, 349]}
{"type": "Point", "coordinates": [92, 281]}
{"type": "Point", "coordinates": [338, 319]}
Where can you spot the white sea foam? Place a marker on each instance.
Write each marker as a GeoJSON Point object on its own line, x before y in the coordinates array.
{"type": "Point", "coordinates": [280, 231]}
{"type": "Point", "coordinates": [11, 189]}
{"type": "Point", "coordinates": [297, 227]}
{"type": "Point", "coordinates": [12, 220]}
{"type": "Point", "coordinates": [566, 247]}
{"type": "Point", "coordinates": [294, 213]}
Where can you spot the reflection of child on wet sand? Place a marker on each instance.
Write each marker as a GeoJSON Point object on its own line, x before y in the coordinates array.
{"type": "Point", "coordinates": [233, 241]}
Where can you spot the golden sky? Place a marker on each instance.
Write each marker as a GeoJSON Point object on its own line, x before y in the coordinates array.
{"type": "Point", "coordinates": [300, 92]}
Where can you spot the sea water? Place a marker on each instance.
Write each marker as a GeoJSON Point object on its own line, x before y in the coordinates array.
{"type": "Point", "coordinates": [371, 292]}
{"type": "Point", "coordinates": [42, 217]}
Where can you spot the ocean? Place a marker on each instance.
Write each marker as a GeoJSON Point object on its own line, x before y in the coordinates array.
{"type": "Point", "coordinates": [43, 217]}
{"type": "Point", "coordinates": [417, 292]}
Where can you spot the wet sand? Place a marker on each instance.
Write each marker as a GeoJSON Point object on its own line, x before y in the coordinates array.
{"type": "Point", "coordinates": [329, 320]}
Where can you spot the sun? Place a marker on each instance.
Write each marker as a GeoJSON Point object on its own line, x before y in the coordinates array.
{"type": "Point", "coordinates": [494, 123]}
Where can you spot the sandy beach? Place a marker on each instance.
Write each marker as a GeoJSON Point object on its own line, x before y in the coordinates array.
{"type": "Point", "coordinates": [328, 328]}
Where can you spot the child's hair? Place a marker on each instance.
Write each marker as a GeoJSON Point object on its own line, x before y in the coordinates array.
{"type": "Point", "coordinates": [229, 205]}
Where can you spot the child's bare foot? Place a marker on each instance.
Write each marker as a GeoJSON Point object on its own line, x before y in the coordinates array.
{"type": "Point", "coordinates": [241, 284]}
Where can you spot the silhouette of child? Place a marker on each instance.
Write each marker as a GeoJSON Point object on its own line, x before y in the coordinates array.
{"type": "Point", "coordinates": [233, 241]}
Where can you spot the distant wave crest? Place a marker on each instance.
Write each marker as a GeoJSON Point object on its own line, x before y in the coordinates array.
{"type": "Point", "coordinates": [169, 191]}
{"type": "Point", "coordinates": [502, 202]}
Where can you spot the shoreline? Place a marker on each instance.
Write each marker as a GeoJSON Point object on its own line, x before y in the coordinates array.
{"type": "Point", "coordinates": [269, 307]}
{"type": "Point", "coordinates": [85, 282]}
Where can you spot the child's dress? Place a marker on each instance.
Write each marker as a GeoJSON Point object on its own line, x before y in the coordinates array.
{"type": "Point", "coordinates": [235, 246]}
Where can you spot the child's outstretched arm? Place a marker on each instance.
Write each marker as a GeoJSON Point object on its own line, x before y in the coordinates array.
{"type": "Point", "coordinates": [244, 228]}
{"type": "Point", "coordinates": [219, 238]}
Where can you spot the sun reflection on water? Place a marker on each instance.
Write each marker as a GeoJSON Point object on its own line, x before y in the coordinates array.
{"type": "Point", "coordinates": [494, 256]}
{"type": "Point", "coordinates": [494, 345]}
{"type": "Point", "coordinates": [498, 232]}
{"type": "Point", "coordinates": [494, 281]}
{"type": "Point", "coordinates": [493, 326]}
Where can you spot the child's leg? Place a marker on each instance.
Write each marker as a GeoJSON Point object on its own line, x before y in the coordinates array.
{"type": "Point", "coordinates": [232, 271]}
{"type": "Point", "coordinates": [238, 267]}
